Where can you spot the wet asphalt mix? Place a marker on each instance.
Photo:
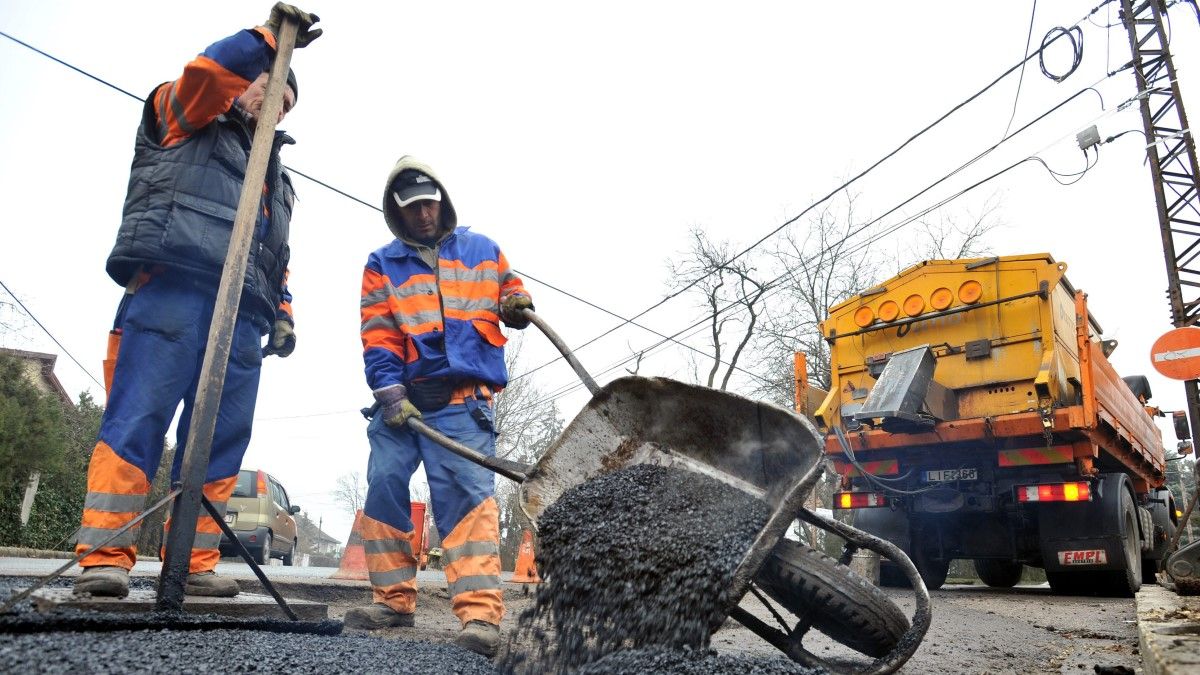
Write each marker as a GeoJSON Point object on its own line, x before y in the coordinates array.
{"type": "Point", "coordinates": [639, 557]}
{"type": "Point", "coordinates": [634, 567]}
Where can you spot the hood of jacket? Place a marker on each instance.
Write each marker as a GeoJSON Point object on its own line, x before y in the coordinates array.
{"type": "Point", "coordinates": [391, 212]}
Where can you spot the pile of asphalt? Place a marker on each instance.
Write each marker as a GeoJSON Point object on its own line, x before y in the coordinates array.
{"type": "Point", "coordinates": [637, 557]}
{"type": "Point", "coordinates": [229, 651]}
{"type": "Point", "coordinates": [690, 662]}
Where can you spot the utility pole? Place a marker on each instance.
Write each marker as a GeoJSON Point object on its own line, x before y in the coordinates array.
{"type": "Point", "coordinates": [1171, 154]}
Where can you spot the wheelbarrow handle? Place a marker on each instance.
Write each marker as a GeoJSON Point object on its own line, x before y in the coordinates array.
{"type": "Point", "coordinates": [514, 471]}
{"type": "Point", "coordinates": [563, 349]}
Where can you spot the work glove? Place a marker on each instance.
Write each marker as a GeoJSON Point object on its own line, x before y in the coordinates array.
{"type": "Point", "coordinates": [282, 341]}
{"type": "Point", "coordinates": [512, 311]}
{"type": "Point", "coordinates": [303, 34]}
{"type": "Point", "coordinates": [395, 406]}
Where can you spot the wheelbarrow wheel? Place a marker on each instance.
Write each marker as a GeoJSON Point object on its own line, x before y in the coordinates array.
{"type": "Point", "coordinates": [839, 602]}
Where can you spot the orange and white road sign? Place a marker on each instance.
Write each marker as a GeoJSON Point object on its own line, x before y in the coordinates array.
{"type": "Point", "coordinates": [1177, 353]}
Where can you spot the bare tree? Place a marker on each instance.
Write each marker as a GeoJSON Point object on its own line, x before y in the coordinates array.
{"type": "Point", "coordinates": [708, 271]}
{"type": "Point", "coordinates": [350, 492]}
{"type": "Point", "coordinates": [954, 235]}
{"type": "Point", "coordinates": [817, 268]}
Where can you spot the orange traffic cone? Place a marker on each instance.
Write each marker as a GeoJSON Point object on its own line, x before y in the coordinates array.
{"type": "Point", "coordinates": [525, 571]}
{"type": "Point", "coordinates": [354, 558]}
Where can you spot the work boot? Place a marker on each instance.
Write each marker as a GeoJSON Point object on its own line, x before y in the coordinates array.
{"type": "Point", "coordinates": [208, 583]}
{"type": "Point", "coordinates": [107, 581]}
{"type": "Point", "coordinates": [480, 637]}
{"type": "Point", "coordinates": [376, 616]}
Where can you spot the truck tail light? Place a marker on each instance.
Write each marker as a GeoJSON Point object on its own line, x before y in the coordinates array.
{"type": "Point", "coordinates": [262, 483]}
{"type": "Point", "coordinates": [858, 500]}
{"type": "Point", "coordinates": [1055, 492]}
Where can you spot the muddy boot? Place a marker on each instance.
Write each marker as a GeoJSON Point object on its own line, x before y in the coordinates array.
{"type": "Point", "coordinates": [208, 583]}
{"type": "Point", "coordinates": [107, 581]}
{"type": "Point", "coordinates": [480, 637]}
{"type": "Point", "coordinates": [377, 616]}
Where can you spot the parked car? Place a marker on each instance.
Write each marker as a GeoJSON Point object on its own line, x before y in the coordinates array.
{"type": "Point", "coordinates": [261, 516]}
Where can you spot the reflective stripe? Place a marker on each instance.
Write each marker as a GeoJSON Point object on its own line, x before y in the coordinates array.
{"type": "Point", "coordinates": [393, 577]}
{"type": "Point", "coordinates": [510, 277]}
{"type": "Point", "coordinates": [387, 322]}
{"type": "Point", "coordinates": [207, 540]}
{"type": "Point", "coordinates": [472, 304]}
{"type": "Point", "coordinates": [177, 109]}
{"type": "Point", "coordinates": [114, 503]}
{"type": "Point", "coordinates": [91, 536]}
{"type": "Point", "coordinates": [413, 290]}
{"type": "Point", "coordinates": [480, 582]}
{"type": "Point", "coordinates": [469, 548]}
{"type": "Point", "coordinates": [376, 296]}
{"type": "Point", "coordinates": [481, 274]}
{"type": "Point", "coordinates": [371, 546]}
{"type": "Point", "coordinates": [419, 317]}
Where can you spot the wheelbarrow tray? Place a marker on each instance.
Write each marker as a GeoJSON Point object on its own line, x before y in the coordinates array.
{"type": "Point", "coordinates": [759, 447]}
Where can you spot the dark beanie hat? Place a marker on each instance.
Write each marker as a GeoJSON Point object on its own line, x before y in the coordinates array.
{"type": "Point", "coordinates": [291, 81]}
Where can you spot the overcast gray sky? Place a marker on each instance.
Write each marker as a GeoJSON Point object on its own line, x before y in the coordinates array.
{"type": "Point", "coordinates": [586, 138]}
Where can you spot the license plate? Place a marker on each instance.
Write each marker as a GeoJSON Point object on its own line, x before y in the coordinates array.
{"type": "Point", "coordinates": [230, 518]}
{"type": "Point", "coordinates": [940, 475]}
{"type": "Point", "coordinates": [1092, 557]}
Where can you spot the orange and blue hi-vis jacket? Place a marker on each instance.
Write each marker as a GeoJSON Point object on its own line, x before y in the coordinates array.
{"type": "Point", "coordinates": [419, 322]}
{"type": "Point", "coordinates": [189, 162]}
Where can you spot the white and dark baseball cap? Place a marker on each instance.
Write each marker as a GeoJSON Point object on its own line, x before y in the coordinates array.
{"type": "Point", "coordinates": [413, 186]}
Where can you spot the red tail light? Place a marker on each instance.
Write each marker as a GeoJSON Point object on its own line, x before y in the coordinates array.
{"type": "Point", "coordinates": [1055, 492]}
{"type": "Point", "coordinates": [262, 483]}
{"type": "Point", "coordinates": [858, 500]}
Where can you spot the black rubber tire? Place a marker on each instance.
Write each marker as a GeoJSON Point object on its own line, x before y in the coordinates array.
{"type": "Point", "coordinates": [1127, 582]}
{"type": "Point", "coordinates": [891, 576]}
{"type": "Point", "coordinates": [842, 604]}
{"type": "Point", "coordinates": [264, 553]}
{"type": "Point", "coordinates": [999, 573]}
{"type": "Point", "coordinates": [289, 558]}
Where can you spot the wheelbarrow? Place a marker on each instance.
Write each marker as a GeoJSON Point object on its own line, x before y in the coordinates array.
{"type": "Point", "coordinates": [767, 451]}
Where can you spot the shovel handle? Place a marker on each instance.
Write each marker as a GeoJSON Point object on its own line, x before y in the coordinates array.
{"type": "Point", "coordinates": [563, 349]}
{"type": "Point", "coordinates": [514, 471]}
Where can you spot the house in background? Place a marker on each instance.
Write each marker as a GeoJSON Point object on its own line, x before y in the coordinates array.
{"type": "Point", "coordinates": [39, 370]}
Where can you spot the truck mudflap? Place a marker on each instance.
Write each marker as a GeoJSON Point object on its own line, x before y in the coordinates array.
{"type": "Point", "coordinates": [1086, 535]}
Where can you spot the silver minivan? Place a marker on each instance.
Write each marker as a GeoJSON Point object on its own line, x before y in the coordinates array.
{"type": "Point", "coordinates": [261, 516]}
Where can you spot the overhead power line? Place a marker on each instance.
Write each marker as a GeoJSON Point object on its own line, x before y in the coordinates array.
{"type": "Point", "coordinates": [51, 335]}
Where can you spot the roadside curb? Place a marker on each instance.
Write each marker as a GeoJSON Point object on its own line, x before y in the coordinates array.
{"type": "Point", "coordinates": [18, 552]}
{"type": "Point", "coordinates": [1168, 631]}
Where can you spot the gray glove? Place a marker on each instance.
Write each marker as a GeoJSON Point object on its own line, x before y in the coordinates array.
{"type": "Point", "coordinates": [283, 340]}
{"type": "Point", "coordinates": [512, 310]}
{"type": "Point", "coordinates": [304, 34]}
{"type": "Point", "coordinates": [395, 406]}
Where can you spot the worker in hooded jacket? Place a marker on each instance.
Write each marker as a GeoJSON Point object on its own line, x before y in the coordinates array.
{"type": "Point", "coordinates": [190, 157]}
{"type": "Point", "coordinates": [432, 302]}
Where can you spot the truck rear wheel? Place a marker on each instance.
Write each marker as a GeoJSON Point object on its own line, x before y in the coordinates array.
{"type": "Point", "coordinates": [1125, 583]}
{"type": "Point", "coordinates": [840, 603]}
{"type": "Point", "coordinates": [999, 573]}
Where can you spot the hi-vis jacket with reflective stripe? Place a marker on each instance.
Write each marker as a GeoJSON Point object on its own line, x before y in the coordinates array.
{"type": "Point", "coordinates": [419, 322]}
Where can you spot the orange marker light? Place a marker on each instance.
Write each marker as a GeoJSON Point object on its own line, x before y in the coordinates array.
{"type": "Point", "coordinates": [863, 316]}
{"type": "Point", "coordinates": [970, 292]}
{"type": "Point", "coordinates": [914, 305]}
{"type": "Point", "coordinates": [941, 299]}
{"type": "Point", "coordinates": [889, 310]}
{"type": "Point", "coordinates": [845, 499]}
{"type": "Point", "coordinates": [262, 483]}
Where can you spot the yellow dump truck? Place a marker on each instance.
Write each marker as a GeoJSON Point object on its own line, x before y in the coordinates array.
{"type": "Point", "coordinates": [973, 414]}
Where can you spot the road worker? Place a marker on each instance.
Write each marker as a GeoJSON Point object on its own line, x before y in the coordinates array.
{"type": "Point", "coordinates": [432, 302]}
{"type": "Point", "coordinates": [190, 155]}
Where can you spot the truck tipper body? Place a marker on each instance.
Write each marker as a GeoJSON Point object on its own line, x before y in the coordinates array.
{"type": "Point", "coordinates": [973, 414]}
